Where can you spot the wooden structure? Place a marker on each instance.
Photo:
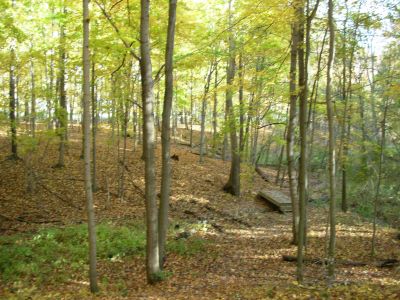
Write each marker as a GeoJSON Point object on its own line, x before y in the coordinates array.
{"type": "Point", "coordinates": [277, 199]}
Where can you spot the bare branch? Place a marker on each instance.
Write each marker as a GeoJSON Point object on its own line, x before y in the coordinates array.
{"type": "Point", "coordinates": [269, 124]}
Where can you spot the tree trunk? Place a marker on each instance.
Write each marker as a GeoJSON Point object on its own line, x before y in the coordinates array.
{"type": "Point", "coordinates": [303, 143]}
{"type": "Point", "coordinates": [331, 148]}
{"type": "Point", "coordinates": [94, 127]}
{"type": "Point", "coordinates": [165, 135]}
{"type": "Point", "coordinates": [12, 106]}
{"type": "Point", "coordinates": [191, 109]}
{"type": "Point", "coordinates": [233, 184]}
{"type": "Point", "coordinates": [215, 110]}
{"type": "Point", "coordinates": [203, 114]}
{"type": "Point", "coordinates": [290, 137]}
{"type": "Point", "coordinates": [378, 184]}
{"type": "Point", "coordinates": [241, 104]}
{"type": "Point", "coordinates": [33, 100]}
{"type": "Point", "coordinates": [88, 182]}
{"type": "Point", "coordinates": [62, 110]}
{"type": "Point", "coordinates": [152, 247]}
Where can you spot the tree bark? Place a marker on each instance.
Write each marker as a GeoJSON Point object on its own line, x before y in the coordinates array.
{"type": "Point", "coordinates": [12, 107]}
{"type": "Point", "coordinates": [62, 110]}
{"type": "Point", "coordinates": [203, 113]}
{"type": "Point", "coordinates": [94, 127]}
{"type": "Point", "coordinates": [331, 147]}
{"type": "Point", "coordinates": [233, 184]}
{"type": "Point", "coordinates": [88, 182]}
{"type": "Point", "coordinates": [241, 104]}
{"type": "Point", "coordinates": [165, 134]}
{"type": "Point", "coordinates": [290, 137]}
{"type": "Point", "coordinates": [191, 109]}
{"type": "Point", "coordinates": [33, 100]}
{"type": "Point", "coordinates": [215, 110]}
{"type": "Point", "coordinates": [152, 247]}
{"type": "Point", "coordinates": [303, 143]}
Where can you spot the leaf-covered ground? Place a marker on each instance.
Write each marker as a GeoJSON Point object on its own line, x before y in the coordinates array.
{"type": "Point", "coordinates": [244, 239]}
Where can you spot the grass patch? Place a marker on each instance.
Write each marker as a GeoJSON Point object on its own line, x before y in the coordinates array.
{"type": "Point", "coordinates": [187, 247]}
{"type": "Point", "coordinates": [54, 254]}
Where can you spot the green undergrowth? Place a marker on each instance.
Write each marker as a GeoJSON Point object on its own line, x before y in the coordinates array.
{"type": "Point", "coordinates": [59, 254]}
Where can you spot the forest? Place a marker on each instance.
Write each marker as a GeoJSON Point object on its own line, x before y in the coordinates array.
{"type": "Point", "coordinates": [199, 149]}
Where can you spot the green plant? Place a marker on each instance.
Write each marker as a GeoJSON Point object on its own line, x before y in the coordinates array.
{"type": "Point", "coordinates": [187, 247]}
{"type": "Point", "coordinates": [51, 254]}
{"type": "Point", "coordinates": [55, 251]}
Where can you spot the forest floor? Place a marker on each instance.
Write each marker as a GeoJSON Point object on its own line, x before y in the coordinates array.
{"type": "Point", "coordinates": [243, 239]}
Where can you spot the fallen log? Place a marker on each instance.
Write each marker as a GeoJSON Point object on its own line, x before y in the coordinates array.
{"type": "Point", "coordinates": [262, 174]}
{"type": "Point", "coordinates": [386, 263]}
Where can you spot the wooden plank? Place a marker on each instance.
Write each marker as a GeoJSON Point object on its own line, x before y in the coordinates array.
{"type": "Point", "coordinates": [277, 198]}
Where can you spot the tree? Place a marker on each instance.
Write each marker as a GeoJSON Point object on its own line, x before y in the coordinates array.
{"type": "Point", "coordinates": [62, 109]}
{"type": "Point", "coordinates": [88, 182]}
{"type": "Point", "coordinates": [233, 184]}
{"type": "Point", "coordinates": [165, 135]}
{"type": "Point", "coordinates": [12, 99]}
{"type": "Point", "coordinates": [152, 246]}
{"type": "Point", "coordinates": [302, 83]}
{"type": "Point", "coordinates": [290, 133]}
{"type": "Point", "coordinates": [331, 143]}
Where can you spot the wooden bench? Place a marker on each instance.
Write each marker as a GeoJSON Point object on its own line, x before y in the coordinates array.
{"type": "Point", "coordinates": [277, 199]}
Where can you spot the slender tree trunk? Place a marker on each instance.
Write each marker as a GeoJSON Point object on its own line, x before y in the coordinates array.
{"type": "Point", "coordinates": [331, 148]}
{"type": "Point", "coordinates": [152, 247]}
{"type": "Point", "coordinates": [290, 137]}
{"type": "Point", "coordinates": [241, 104]}
{"type": "Point", "coordinates": [233, 184]}
{"type": "Point", "coordinates": [364, 136]}
{"type": "Point", "coordinates": [62, 111]}
{"type": "Point", "coordinates": [373, 102]}
{"type": "Point", "coordinates": [17, 93]}
{"type": "Point", "coordinates": [94, 127]}
{"type": "Point", "coordinates": [313, 99]}
{"type": "Point", "coordinates": [303, 144]}
{"type": "Point", "coordinates": [203, 114]}
{"type": "Point", "coordinates": [347, 127]}
{"type": "Point", "coordinates": [165, 135]}
{"type": "Point", "coordinates": [135, 125]}
{"type": "Point", "coordinates": [122, 163]}
{"type": "Point", "coordinates": [33, 100]}
{"type": "Point", "coordinates": [191, 109]}
{"type": "Point", "coordinates": [254, 143]}
{"type": "Point", "coordinates": [51, 93]}
{"type": "Point", "coordinates": [215, 110]}
{"type": "Point", "coordinates": [88, 182]}
{"type": "Point", "coordinates": [203, 129]}
{"type": "Point", "coordinates": [225, 143]}
{"type": "Point", "coordinates": [12, 107]}
{"type": "Point", "coordinates": [378, 184]}
{"type": "Point", "coordinates": [113, 105]}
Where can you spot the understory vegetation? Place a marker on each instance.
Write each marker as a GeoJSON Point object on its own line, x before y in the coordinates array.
{"type": "Point", "coordinates": [59, 254]}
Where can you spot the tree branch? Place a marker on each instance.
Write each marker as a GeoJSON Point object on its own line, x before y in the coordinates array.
{"type": "Point", "coordinates": [269, 124]}
{"type": "Point", "coordinates": [112, 23]}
